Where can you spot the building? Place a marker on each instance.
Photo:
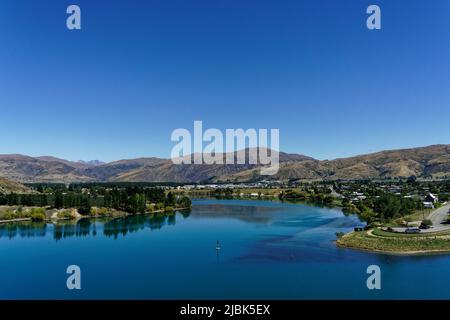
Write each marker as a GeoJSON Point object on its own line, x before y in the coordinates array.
{"type": "Point", "coordinates": [428, 205]}
{"type": "Point", "coordinates": [431, 198]}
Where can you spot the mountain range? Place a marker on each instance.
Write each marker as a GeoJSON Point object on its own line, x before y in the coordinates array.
{"type": "Point", "coordinates": [431, 161]}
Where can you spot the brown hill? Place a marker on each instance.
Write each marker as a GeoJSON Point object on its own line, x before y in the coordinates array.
{"type": "Point", "coordinates": [431, 161]}
{"type": "Point", "coordinates": [8, 186]}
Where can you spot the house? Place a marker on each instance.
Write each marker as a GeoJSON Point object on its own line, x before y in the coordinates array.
{"type": "Point", "coordinates": [428, 205]}
{"type": "Point", "coordinates": [431, 198]}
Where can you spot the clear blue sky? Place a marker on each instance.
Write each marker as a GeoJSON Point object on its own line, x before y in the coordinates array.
{"type": "Point", "coordinates": [139, 69]}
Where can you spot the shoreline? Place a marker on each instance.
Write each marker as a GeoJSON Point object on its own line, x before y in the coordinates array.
{"type": "Point", "coordinates": [393, 252]}
{"type": "Point", "coordinates": [15, 220]}
{"type": "Point", "coordinates": [374, 240]}
{"type": "Point", "coordinates": [125, 214]}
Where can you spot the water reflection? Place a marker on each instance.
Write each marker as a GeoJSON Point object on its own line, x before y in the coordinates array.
{"type": "Point", "coordinates": [81, 228]}
{"type": "Point", "coordinates": [115, 227]}
{"type": "Point", "coordinates": [23, 229]}
{"type": "Point", "coordinates": [253, 214]}
{"type": "Point", "coordinates": [90, 227]}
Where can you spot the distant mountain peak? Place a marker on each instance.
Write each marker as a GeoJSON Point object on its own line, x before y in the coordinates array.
{"type": "Point", "coordinates": [91, 162]}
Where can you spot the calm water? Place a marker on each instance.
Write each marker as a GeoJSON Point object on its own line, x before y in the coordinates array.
{"type": "Point", "coordinates": [269, 250]}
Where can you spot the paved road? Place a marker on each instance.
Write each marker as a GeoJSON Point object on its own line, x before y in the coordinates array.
{"type": "Point", "coordinates": [439, 215]}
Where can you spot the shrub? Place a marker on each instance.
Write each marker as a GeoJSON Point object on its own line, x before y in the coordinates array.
{"type": "Point", "coordinates": [66, 214]}
{"type": "Point", "coordinates": [20, 213]}
{"type": "Point", "coordinates": [37, 214]}
{"type": "Point", "coordinates": [102, 211]}
{"type": "Point", "coordinates": [9, 215]}
{"type": "Point", "coordinates": [339, 234]}
{"type": "Point", "coordinates": [427, 222]}
{"type": "Point", "coordinates": [38, 217]}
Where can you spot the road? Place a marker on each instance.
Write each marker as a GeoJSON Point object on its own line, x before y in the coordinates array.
{"type": "Point", "coordinates": [439, 215]}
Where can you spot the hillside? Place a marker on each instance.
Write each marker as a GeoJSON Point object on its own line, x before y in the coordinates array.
{"type": "Point", "coordinates": [8, 186]}
{"type": "Point", "coordinates": [431, 161]}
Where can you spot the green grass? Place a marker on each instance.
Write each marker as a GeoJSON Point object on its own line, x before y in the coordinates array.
{"type": "Point", "coordinates": [361, 240]}
{"type": "Point", "coordinates": [418, 215]}
{"type": "Point", "coordinates": [382, 233]}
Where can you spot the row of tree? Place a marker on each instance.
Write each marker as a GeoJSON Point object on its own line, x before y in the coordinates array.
{"type": "Point", "coordinates": [317, 196]}
{"type": "Point", "coordinates": [133, 199]}
{"type": "Point", "coordinates": [385, 207]}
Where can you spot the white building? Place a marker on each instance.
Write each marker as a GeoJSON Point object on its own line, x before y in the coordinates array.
{"type": "Point", "coordinates": [428, 205]}
{"type": "Point", "coordinates": [431, 198]}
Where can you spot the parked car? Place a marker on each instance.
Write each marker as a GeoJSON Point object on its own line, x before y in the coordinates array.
{"type": "Point", "coordinates": [412, 230]}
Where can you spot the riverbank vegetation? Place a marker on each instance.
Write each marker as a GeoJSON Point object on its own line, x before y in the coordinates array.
{"type": "Point", "coordinates": [318, 196]}
{"type": "Point", "coordinates": [70, 202]}
{"type": "Point", "coordinates": [34, 214]}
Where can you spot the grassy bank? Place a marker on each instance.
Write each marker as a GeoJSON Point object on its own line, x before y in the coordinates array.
{"type": "Point", "coordinates": [381, 241]}
{"type": "Point", "coordinates": [387, 234]}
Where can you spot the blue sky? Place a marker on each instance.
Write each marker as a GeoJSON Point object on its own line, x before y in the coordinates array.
{"type": "Point", "coordinates": [138, 70]}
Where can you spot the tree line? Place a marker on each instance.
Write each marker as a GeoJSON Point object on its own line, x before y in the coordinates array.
{"type": "Point", "coordinates": [133, 199]}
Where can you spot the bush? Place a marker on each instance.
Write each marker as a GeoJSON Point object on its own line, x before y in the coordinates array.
{"type": "Point", "coordinates": [66, 214]}
{"type": "Point", "coordinates": [9, 215]}
{"type": "Point", "coordinates": [102, 211]}
{"type": "Point", "coordinates": [427, 223]}
{"type": "Point", "coordinates": [339, 234]}
{"type": "Point", "coordinates": [37, 214]}
{"type": "Point", "coordinates": [20, 213]}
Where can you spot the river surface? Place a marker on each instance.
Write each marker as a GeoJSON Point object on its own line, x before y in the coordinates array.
{"type": "Point", "coordinates": [268, 250]}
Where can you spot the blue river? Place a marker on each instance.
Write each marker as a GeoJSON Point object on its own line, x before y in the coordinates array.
{"type": "Point", "coordinates": [268, 250]}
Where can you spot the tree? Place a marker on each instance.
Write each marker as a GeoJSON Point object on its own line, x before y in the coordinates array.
{"type": "Point", "coordinates": [85, 205]}
{"type": "Point", "coordinates": [368, 215]}
{"type": "Point", "coordinates": [184, 202]}
{"type": "Point", "coordinates": [388, 206]}
{"type": "Point", "coordinates": [170, 200]}
{"type": "Point", "coordinates": [137, 203]}
{"type": "Point", "coordinates": [59, 200]}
